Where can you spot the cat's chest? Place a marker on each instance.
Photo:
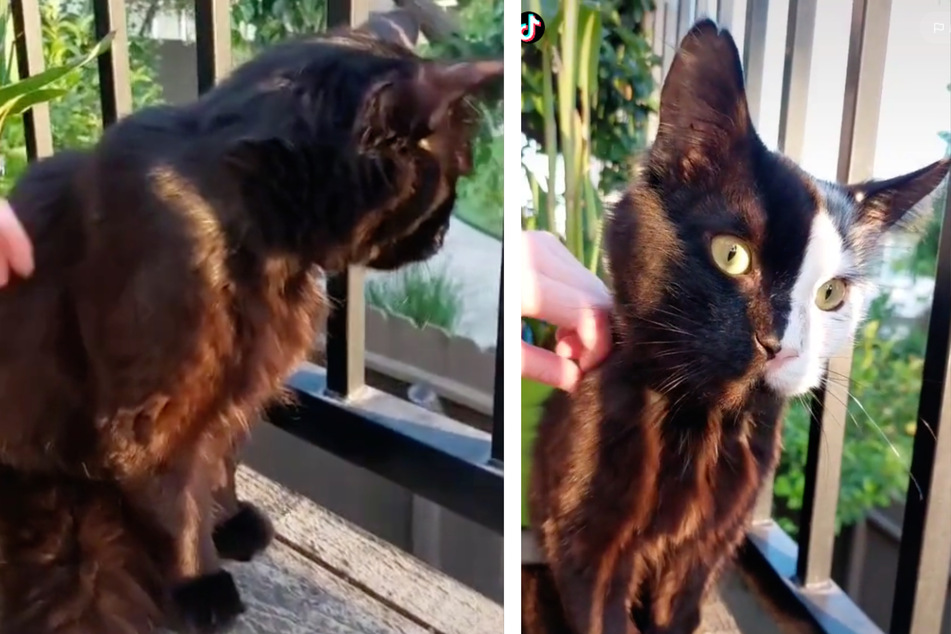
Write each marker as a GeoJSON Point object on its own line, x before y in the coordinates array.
{"type": "Point", "coordinates": [275, 322]}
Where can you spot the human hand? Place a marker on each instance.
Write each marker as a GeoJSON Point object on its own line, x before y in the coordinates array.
{"type": "Point", "coordinates": [557, 289]}
{"type": "Point", "coordinates": [16, 250]}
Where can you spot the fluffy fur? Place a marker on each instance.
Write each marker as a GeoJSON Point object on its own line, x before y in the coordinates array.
{"type": "Point", "coordinates": [177, 285]}
{"type": "Point", "coordinates": [645, 477]}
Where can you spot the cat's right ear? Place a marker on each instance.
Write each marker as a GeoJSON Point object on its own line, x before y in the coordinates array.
{"type": "Point", "coordinates": [704, 117]}
{"type": "Point", "coordinates": [415, 106]}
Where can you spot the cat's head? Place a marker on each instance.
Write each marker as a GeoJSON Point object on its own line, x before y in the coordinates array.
{"type": "Point", "coordinates": [732, 267]}
{"type": "Point", "coordinates": [358, 141]}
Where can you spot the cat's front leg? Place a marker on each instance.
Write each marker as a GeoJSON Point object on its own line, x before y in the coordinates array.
{"type": "Point", "coordinates": [596, 597]}
{"type": "Point", "coordinates": [179, 499]}
{"type": "Point", "coordinates": [678, 597]}
{"type": "Point", "coordinates": [241, 529]}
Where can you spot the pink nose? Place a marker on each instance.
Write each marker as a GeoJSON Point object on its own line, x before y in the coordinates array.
{"type": "Point", "coordinates": [784, 355]}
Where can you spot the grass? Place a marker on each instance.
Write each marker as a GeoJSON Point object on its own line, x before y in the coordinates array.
{"type": "Point", "coordinates": [424, 296]}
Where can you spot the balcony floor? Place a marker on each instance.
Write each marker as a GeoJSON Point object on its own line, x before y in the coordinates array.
{"type": "Point", "coordinates": [324, 575]}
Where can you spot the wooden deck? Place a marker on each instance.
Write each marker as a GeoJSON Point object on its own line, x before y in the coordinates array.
{"type": "Point", "coordinates": [324, 576]}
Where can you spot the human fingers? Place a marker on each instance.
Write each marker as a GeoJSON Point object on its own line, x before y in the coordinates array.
{"type": "Point", "coordinates": [570, 346]}
{"type": "Point", "coordinates": [14, 242]}
{"type": "Point", "coordinates": [546, 367]}
{"type": "Point", "coordinates": [569, 308]}
{"type": "Point", "coordinates": [4, 271]}
{"type": "Point", "coordinates": [545, 253]}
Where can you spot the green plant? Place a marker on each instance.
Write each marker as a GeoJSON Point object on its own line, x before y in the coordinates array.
{"type": "Point", "coordinates": [480, 196]}
{"type": "Point", "coordinates": [424, 296]}
{"type": "Point", "coordinates": [19, 95]}
{"type": "Point", "coordinates": [75, 116]}
{"type": "Point", "coordinates": [623, 86]}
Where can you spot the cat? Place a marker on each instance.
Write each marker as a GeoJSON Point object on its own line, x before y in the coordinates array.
{"type": "Point", "coordinates": [735, 276]}
{"type": "Point", "coordinates": [177, 284]}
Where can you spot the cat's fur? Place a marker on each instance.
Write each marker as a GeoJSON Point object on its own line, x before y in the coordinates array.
{"type": "Point", "coordinates": [176, 285]}
{"type": "Point", "coordinates": [644, 478]}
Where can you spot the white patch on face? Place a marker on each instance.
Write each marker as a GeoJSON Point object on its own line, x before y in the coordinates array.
{"type": "Point", "coordinates": [813, 335]}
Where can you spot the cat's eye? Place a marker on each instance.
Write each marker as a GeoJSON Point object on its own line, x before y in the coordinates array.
{"type": "Point", "coordinates": [731, 254]}
{"type": "Point", "coordinates": [831, 295]}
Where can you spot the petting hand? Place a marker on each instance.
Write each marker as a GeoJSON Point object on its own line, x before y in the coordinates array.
{"type": "Point", "coordinates": [16, 250]}
{"type": "Point", "coordinates": [557, 289]}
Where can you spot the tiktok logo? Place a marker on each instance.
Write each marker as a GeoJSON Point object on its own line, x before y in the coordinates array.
{"type": "Point", "coordinates": [533, 27]}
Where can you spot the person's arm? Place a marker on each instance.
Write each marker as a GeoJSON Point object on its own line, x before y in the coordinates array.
{"type": "Point", "coordinates": [557, 289]}
{"type": "Point", "coordinates": [16, 250]}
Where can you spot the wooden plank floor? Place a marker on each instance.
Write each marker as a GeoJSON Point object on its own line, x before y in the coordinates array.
{"type": "Point", "coordinates": [323, 575]}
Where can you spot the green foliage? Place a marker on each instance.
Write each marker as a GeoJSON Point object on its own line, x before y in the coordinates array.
{"type": "Point", "coordinates": [480, 196]}
{"type": "Point", "coordinates": [623, 86]}
{"type": "Point", "coordinates": [17, 96]}
{"type": "Point", "coordinates": [257, 23]}
{"type": "Point", "coordinates": [425, 297]}
{"type": "Point", "coordinates": [75, 116]}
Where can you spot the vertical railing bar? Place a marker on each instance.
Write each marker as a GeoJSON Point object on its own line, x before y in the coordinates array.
{"type": "Point", "coordinates": [702, 10]}
{"type": "Point", "coordinates": [671, 40]}
{"type": "Point", "coordinates": [346, 332]}
{"type": "Point", "coordinates": [28, 34]}
{"type": "Point", "coordinates": [800, 33]}
{"type": "Point", "coordinates": [498, 426]}
{"type": "Point", "coordinates": [346, 325]}
{"type": "Point", "coordinates": [924, 560]}
{"type": "Point", "coordinates": [684, 18]}
{"type": "Point", "coordinates": [213, 39]}
{"type": "Point", "coordinates": [115, 88]}
{"type": "Point", "coordinates": [863, 89]}
{"type": "Point", "coordinates": [754, 54]}
{"type": "Point", "coordinates": [726, 13]}
{"type": "Point", "coordinates": [347, 12]}
{"type": "Point", "coordinates": [657, 72]}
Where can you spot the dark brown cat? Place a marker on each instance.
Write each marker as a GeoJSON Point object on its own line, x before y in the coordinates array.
{"type": "Point", "coordinates": [177, 284]}
{"type": "Point", "coordinates": [736, 275]}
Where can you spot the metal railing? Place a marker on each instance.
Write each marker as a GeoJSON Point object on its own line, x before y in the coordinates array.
{"type": "Point", "coordinates": [435, 457]}
{"type": "Point", "coordinates": [801, 574]}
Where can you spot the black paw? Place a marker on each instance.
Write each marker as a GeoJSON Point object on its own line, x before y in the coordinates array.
{"type": "Point", "coordinates": [209, 603]}
{"type": "Point", "coordinates": [244, 535]}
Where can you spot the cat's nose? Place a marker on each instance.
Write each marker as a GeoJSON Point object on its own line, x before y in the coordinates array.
{"type": "Point", "coordinates": [770, 346]}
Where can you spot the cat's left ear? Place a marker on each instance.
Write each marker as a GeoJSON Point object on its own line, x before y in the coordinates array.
{"type": "Point", "coordinates": [885, 203]}
{"type": "Point", "coordinates": [417, 105]}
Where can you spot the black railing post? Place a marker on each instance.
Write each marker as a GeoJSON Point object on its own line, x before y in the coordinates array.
{"type": "Point", "coordinates": [863, 89]}
{"type": "Point", "coordinates": [346, 332]}
{"type": "Point", "coordinates": [924, 561]}
{"type": "Point", "coordinates": [115, 89]}
{"type": "Point", "coordinates": [343, 12]}
{"type": "Point", "coordinates": [498, 424]}
{"type": "Point", "coordinates": [28, 34]}
{"type": "Point", "coordinates": [213, 39]}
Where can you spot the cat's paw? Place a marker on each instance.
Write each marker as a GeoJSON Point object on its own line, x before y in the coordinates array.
{"type": "Point", "coordinates": [208, 604]}
{"type": "Point", "coordinates": [243, 535]}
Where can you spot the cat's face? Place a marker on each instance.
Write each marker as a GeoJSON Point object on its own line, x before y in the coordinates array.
{"type": "Point", "coordinates": [732, 267]}
{"type": "Point", "coordinates": [364, 138]}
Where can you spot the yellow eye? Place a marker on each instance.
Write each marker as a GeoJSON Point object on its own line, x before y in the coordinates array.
{"type": "Point", "coordinates": [831, 295]}
{"type": "Point", "coordinates": [731, 254]}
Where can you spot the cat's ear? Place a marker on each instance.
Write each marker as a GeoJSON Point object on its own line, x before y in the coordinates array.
{"type": "Point", "coordinates": [416, 105]}
{"type": "Point", "coordinates": [886, 203]}
{"type": "Point", "coordinates": [704, 117]}
{"type": "Point", "coordinates": [398, 26]}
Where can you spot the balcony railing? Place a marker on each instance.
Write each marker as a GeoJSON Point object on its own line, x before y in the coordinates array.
{"type": "Point", "coordinates": [435, 457]}
{"type": "Point", "coordinates": [801, 574]}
